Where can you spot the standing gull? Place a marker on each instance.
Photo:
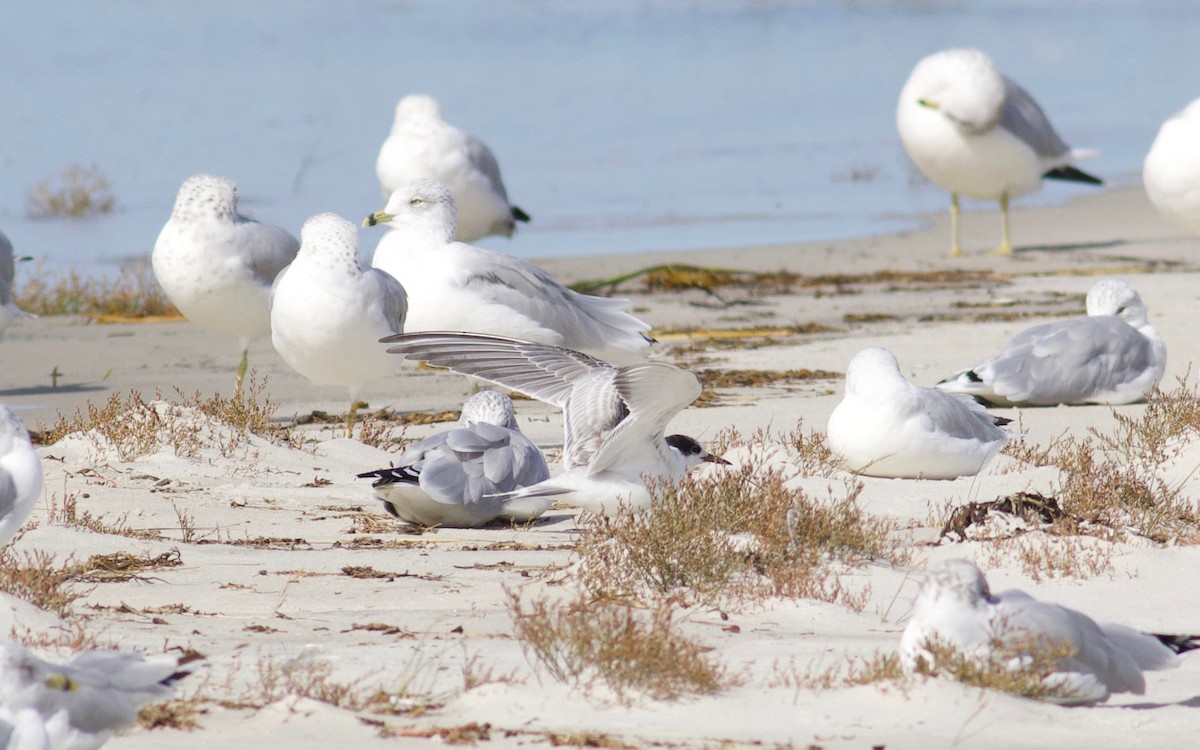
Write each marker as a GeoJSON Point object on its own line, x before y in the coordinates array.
{"type": "Point", "coordinates": [8, 309]}
{"type": "Point", "coordinates": [422, 144]}
{"type": "Point", "coordinates": [216, 265]}
{"type": "Point", "coordinates": [955, 608]}
{"type": "Point", "coordinates": [888, 427]}
{"type": "Point", "coordinates": [328, 310]}
{"type": "Point", "coordinates": [976, 133]}
{"type": "Point", "coordinates": [457, 477]}
{"type": "Point", "coordinates": [614, 418]}
{"type": "Point", "coordinates": [454, 286]}
{"type": "Point", "coordinates": [1112, 356]}
{"type": "Point", "coordinates": [20, 475]}
{"type": "Point", "coordinates": [1171, 171]}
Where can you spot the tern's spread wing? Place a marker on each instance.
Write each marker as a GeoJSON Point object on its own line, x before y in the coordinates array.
{"type": "Point", "coordinates": [653, 393]}
{"type": "Point", "coordinates": [1025, 119]}
{"type": "Point", "coordinates": [547, 373]}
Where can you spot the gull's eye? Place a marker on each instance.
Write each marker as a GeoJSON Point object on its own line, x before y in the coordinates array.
{"type": "Point", "coordinates": [415, 202]}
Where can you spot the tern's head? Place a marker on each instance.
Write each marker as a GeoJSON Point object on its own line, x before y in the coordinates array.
{"type": "Point", "coordinates": [692, 453]}
{"type": "Point", "coordinates": [1116, 297]}
{"type": "Point", "coordinates": [206, 196]}
{"type": "Point", "coordinates": [421, 203]}
{"type": "Point", "coordinates": [492, 407]}
{"type": "Point", "coordinates": [871, 371]}
{"type": "Point", "coordinates": [956, 580]}
{"type": "Point", "coordinates": [961, 84]}
{"type": "Point", "coordinates": [415, 113]}
{"type": "Point", "coordinates": [329, 236]}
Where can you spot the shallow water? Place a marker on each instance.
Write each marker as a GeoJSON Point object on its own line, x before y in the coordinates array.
{"type": "Point", "coordinates": [620, 126]}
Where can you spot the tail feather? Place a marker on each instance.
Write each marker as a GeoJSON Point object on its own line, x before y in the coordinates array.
{"type": "Point", "coordinates": [398, 475]}
{"type": "Point", "coordinates": [1180, 644]}
{"type": "Point", "coordinates": [519, 215]}
{"type": "Point", "coordinates": [1072, 174]}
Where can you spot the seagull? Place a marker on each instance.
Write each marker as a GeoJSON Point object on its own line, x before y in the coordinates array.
{"type": "Point", "coordinates": [8, 309]}
{"type": "Point", "coordinates": [614, 418]}
{"type": "Point", "coordinates": [216, 266]}
{"type": "Point", "coordinates": [422, 144]}
{"type": "Point", "coordinates": [888, 427]}
{"type": "Point", "coordinates": [1171, 171]}
{"type": "Point", "coordinates": [85, 700]}
{"type": "Point", "coordinates": [954, 607]}
{"type": "Point", "coordinates": [25, 729]}
{"type": "Point", "coordinates": [459, 477]}
{"type": "Point", "coordinates": [1111, 356]}
{"type": "Point", "coordinates": [20, 475]}
{"type": "Point", "coordinates": [328, 310]}
{"type": "Point", "coordinates": [976, 133]}
{"type": "Point", "coordinates": [453, 286]}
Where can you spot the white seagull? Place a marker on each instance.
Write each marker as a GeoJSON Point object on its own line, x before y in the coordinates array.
{"type": "Point", "coordinates": [217, 265]}
{"type": "Point", "coordinates": [954, 607]}
{"type": "Point", "coordinates": [91, 696]}
{"type": "Point", "coordinates": [453, 286]}
{"type": "Point", "coordinates": [1112, 356]}
{"type": "Point", "coordinates": [422, 144]}
{"type": "Point", "coordinates": [614, 418]}
{"type": "Point", "coordinates": [20, 475]}
{"type": "Point", "coordinates": [460, 477]}
{"type": "Point", "coordinates": [8, 309]}
{"type": "Point", "coordinates": [328, 310]}
{"type": "Point", "coordinates": [887, 427]}
{"type": "Point", "coordinates": [1171, 171]}
{"type": "Point", "coordinates": [976, 133]}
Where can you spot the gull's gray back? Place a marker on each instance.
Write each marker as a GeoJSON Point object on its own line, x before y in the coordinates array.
{"type": "Point", "coordinates": [1025, 119]}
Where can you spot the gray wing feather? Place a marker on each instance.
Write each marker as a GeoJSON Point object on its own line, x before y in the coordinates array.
{"type": "Point", "coordinates": [475, 462]}
{"type": "Point", "coordinates": [391, 293]}
{"type": "Point", "coordinates": [271, 248]}
{"type": "Point", "coordinates": [485, 161]}
{"type": "Point", "coordinates": [1025, 119]}
{"type": "Point", "coordinates": [8, 494]}
{"type": "Point", "coordinates": [7, 270]}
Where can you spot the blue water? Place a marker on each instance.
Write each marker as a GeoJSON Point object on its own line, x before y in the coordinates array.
{"type": "Point", "coordinates": [619, 126]}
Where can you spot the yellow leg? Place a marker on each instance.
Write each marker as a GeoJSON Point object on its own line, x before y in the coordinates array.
{"type": "Point", "coordinates": [955, 248]}
{"type": "Point", "coordinates": [241, 369]}
{"type": "Point", "coordinates": [352, 417]}
{"type": "Point", "coordinates": [1006, 247]}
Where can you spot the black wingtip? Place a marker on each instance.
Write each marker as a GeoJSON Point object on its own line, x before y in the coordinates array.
{"type": "Point", "coordinates": [1180, 644]}
{"type": "Point", "coordinates": [519, 215]}
{"type": "Point", "coordinates": [1071, 174]}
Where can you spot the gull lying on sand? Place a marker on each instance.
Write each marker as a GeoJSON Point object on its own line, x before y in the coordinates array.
{"type": "Point", "coordinates": [8, 309]}
{"type": "Point", "coordinates": [888, 427]}
{"type": "Point", "coordinates": [20, 475]}
{"type": "Point", "coordinates": [976, 133]}
{"type": "Point", "coordinates": [614, 418]}
{"type": "Point", "coordinates": [328, 310]}
{"type": "Point", "coordinates": [216, 265]}
{"type": "Point", "coordinates": [1112, 356]}
{"type": "Point", "coordinates": [1171, 171]}
{"type": "Point", "coordinates": [955, 608]}
{"type": "Point", "coordinates": [460, 477]}
{"type": "Point", "coordinates": [84, 701]}
{"type": "Point", "coordinates": [453, 286]}
{"type": "Point", "coordinates": [422, 144]}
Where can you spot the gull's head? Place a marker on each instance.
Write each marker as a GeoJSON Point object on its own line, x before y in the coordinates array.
{"type": "Point", "coordinates": [423, 203]}
{"type": "Point", "coordinates": [871, 370]}
{"type": "Point", "coordinates": [21, 675]}
{"type": "Point", "coordinates": [491, 407]}
{"type": "Point", "coordinates": [956, 580]}
{"type": "Point", "coordinates": [691, 452]}
{"type": "Point", "coordinates": [12, 431]}
{"type": "Point", "coordinates": [329, 235]}
{"type": "Point", "coordinates": [206, 196]}
{"type": "Point", "coordinates": [416, 112]}
{"type": "Point", "coordinates": [963, 85]}
{"type": "Point", "coordinates": [1119, 298]}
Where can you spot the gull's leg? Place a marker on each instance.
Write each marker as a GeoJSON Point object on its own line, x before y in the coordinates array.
{"type": "Point", "coordinates": [955, 248]}
{"type": "Point", "coordinates": [352, 415]}
{"type": "Point", "coordinates": [241, 370]}
{"type": "Point", "coordinates": [1005, 243]}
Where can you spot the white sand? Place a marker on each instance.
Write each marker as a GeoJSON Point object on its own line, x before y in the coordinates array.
{"type": "Point", "coordinates": [246, 604]}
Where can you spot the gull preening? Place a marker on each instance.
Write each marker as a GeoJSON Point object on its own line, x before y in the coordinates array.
{"type": "Point", "coordinates": [887, 427]}
{"type": "Point", "coordinates": [216, 265]}
{"type": "Point", "coordinates": [422, 144]}
{"type": "Point", "coordinates": [328, 310]}
{"type": "Point", "coordinates": [614, 418]}
{"type": "Point", "coordinates": [453, 286]}
{"type": "Point", "coordinates": [83, 701]}
{"type": "Point", "coordinates": [955, 608]}
{"type": "Point", "coordinates": [461, 477]}
{"type": "Point", "coordinates": [1111, 356]}
{"type": "Point", "coordinates": [976, 133]}
{"type": "Point", "coordinates": [1171, 172]}
{"type": "Point", "coordinates": [20, 475]}
{"type": "Point", "coordinates": [8, 309]}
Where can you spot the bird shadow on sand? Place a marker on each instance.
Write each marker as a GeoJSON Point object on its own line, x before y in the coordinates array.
{"type": "Point", "coordinates": [43, 390]}
{"type": "Point", "coordinates": [1067, 247]}
{"type": "Point", "coordinates": [1193, 702]}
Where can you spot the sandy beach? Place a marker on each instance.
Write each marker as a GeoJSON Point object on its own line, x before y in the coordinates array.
{"type": "Point", "coordinates": [275, 560]}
